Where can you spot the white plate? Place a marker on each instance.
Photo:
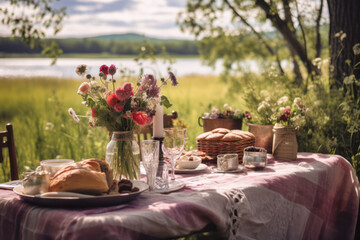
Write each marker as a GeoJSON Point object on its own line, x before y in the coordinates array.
{"type": "Point", "coordinates": [239, 169]}
{"type": "Point", "coordinates": [201, 167]}
{"type": "Point", "coordinates": [82, 201]}
{"type": "Point", "coordinates": [173, 186]}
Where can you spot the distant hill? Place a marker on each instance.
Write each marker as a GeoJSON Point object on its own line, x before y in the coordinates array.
{"type": "Point", "coordinates": [131, 37]}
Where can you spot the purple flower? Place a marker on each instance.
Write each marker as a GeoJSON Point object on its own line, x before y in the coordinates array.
{"type": "Point", "coordinates": [173, 79]}
{"type": "Point", "coordinates": [149, 80]}
{"type": "Point", "coordinates": [153, 91]}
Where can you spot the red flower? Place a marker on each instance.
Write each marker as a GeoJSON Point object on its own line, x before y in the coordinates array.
{"type": "Point", "coordinates": [111, 100]}
{"type": "Point", "coordinates": [104, 69]}
{"type": "Point", "coordinates": [94, 112]}
{"type": "Point", "coordinates": [139, 118]}
{"type": "Point", "coordinates": [124, 92]}
{"type": "Point", "coordinates": [283, 117]}
{"type": "Point", "coordinates": [119, 107]}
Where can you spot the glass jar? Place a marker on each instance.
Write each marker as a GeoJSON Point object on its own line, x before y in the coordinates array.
{"type": "Point", "coordinates": [254, 157]}
{"type": "Point", "coordinates": [123, 156]}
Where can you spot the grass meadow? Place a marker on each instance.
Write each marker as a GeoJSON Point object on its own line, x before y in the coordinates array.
{"type": "Point", "coordinates": [37, 108]}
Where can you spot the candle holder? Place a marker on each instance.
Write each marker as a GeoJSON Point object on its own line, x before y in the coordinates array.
{"type": "Point", "coordinates": [161, 155]}
{"type": "Point", "coordinates": [161, 181]}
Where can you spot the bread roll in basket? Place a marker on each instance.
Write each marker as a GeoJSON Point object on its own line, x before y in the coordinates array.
{"type": "Point", "coordinates": [222, 141]}
{"type": "Point", "coordinates": [90, 176]}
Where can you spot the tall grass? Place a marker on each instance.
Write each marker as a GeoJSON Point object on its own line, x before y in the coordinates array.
{"type": "Point", "coordinates": [37, 108]}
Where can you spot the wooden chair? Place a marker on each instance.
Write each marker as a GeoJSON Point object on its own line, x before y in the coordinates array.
{"type": "Point", "coordinates": [146, 132]}
{"type": "Point", "coordinates": [7, 141]}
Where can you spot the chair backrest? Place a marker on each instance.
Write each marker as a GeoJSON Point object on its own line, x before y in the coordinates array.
{"type": "Point", "coordinates": [146, 132]}
{"type": "Point", "coordinates": [7, 141]}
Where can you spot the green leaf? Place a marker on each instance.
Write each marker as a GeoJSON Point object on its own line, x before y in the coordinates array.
{"type": "Point", "coordinates": [165, 102]}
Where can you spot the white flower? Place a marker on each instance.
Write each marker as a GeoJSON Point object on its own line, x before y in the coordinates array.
{"type": "Point", "coordinates": [73, 115]}
{"type": "Point", "coordinates": [343, 36]}
{"type": "Point", "coordinates": [267, 99]}
{"type": "Point", "coordinates": [226, 105]}
{"type": "Point", "coordinates": [356, 49]}
{"type": "Point", "coordinates": [282, 100]}
{"type": "Point", "coordinates": [263, 105]}
{"type": "Point", "coordinates": [153, 102]}
{"type": "Point", "coordinates": [282, 109]}
{"type": "Point", "coordinates": [206, 115]}
{"type": "Point", "coordinates": [237, 113]}
{"type": "Point", "coordinates": [133, 102]}
{"type": "Point", "coordinates": [213, 116]}
{"type": "Point", "coordinates": [49, 126]}
{"type": "Point", "coordinates": [349, 79]}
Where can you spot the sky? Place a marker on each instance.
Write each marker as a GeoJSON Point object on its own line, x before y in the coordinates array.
{"type": "Point", "coordinates": [153, 18]}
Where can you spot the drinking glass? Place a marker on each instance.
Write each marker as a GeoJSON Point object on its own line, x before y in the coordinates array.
{"type": "Point", "coordinates": [173, 146]}
{"type": "Point", "coordinates": [150, 159]}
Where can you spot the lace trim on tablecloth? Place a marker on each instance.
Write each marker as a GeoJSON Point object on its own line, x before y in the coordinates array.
{"type": "Point", "coordinates": [254, 213]}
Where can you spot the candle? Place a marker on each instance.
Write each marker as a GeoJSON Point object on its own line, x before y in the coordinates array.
{"type": "Point", "coordinates": [158, 124]}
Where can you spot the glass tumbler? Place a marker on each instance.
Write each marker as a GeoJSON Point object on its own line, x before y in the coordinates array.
{"type": "Point", "coordinates": [150, 159]}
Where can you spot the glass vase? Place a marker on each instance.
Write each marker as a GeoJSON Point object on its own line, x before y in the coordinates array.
{"type": "Point", "coordinates": [123, 156]}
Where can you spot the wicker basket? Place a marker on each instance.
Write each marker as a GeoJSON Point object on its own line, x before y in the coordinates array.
{"type": "Point", "coordinates": [214, 148]}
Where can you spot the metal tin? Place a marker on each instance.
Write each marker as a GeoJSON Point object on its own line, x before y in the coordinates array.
{"type": "Point", "coordinates": [255, 157]}
{"type": "Point", "coordinates": [226, 162]}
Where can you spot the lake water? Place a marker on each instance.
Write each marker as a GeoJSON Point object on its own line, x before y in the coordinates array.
{"type": "Point", "coordinates": [65, 67]}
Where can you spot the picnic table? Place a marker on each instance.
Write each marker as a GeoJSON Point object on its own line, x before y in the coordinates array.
{"type": "Point", "coordinates": [314, 197]}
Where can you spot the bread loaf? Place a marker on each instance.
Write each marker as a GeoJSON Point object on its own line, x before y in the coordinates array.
{"type": "Point", "coordinates": [79, 179]}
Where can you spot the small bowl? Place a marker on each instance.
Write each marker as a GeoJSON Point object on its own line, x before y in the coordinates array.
{"type": "Point", "coordinates": [54, 165]}
{"type": "Point", "coordinates": [188, 162]}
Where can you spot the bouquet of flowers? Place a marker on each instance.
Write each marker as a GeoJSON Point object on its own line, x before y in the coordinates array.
{"type": "Point", "coordinates": [226, 113]}
{"type": "Point", "coordinates": [282, 111]}
{"type": "Point", "coordinates": [121, 109]}
{"type": "Point", "coordinates": [291, 115]}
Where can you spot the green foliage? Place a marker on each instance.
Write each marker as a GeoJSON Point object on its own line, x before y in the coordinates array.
{"type": "Point", "coordinates": [30, 25]}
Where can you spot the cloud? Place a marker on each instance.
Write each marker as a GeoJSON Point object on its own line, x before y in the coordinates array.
{"type": "Point", "coordinates": [96, 17]}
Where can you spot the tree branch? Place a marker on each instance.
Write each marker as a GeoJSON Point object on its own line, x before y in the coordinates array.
{"type": "Point", "coordinates": [259, 36]}
{"type": "Point", "coordinates": [287, 34]}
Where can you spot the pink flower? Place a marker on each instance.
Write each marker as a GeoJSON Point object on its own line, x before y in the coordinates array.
{"type": "Point", "coordinates": [112, 69]}
{"type": "Point", "coordinates": [128, 88]}
{"type": "Point", "coordinates": [104, 69]}
{"type": "Point", "coordinates": [111, 100]}
{"type": "Point", "coordinates": [84, 88]}
{"type": "Point", "coordinates": [119, 107]}
{"type": "Point", "coordinates": [139, 118]}
{"type": "Point", "coordinates": [124, 92]}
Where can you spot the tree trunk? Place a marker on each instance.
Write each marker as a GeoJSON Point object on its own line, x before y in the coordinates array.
{"type": "Point", "coordinates": [344, 16]}
{"type": "Point", "coordinates": [288, 35]}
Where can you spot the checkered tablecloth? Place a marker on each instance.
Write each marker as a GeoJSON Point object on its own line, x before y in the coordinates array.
{"type": "Point", "coordinates": [314, 197]}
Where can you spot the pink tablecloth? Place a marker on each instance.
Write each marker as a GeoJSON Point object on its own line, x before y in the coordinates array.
{"type": "Point", "coordinates": [315, 197]}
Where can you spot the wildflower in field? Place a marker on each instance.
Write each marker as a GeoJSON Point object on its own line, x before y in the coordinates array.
{"type": "Point", "coordinates": [73, 115]}
{"type": "Point", "coordinates": [81, 70]}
